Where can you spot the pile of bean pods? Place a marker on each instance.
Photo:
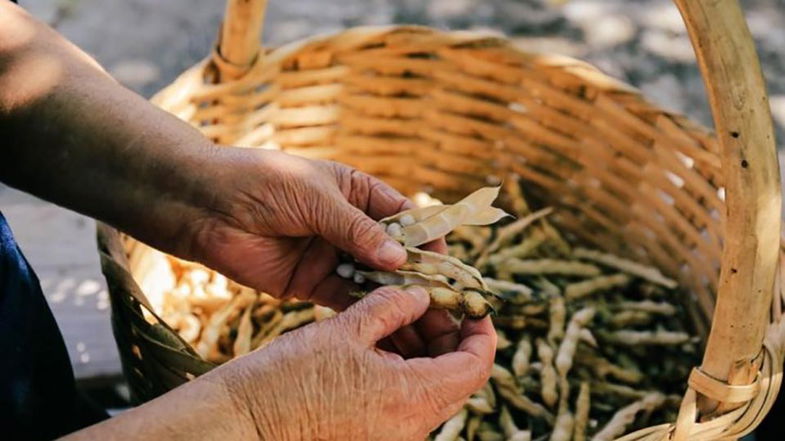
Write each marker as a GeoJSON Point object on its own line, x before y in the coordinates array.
{"type": "Point", "coordinates": [221, 319]}
{"type": "Point", "coordinates": [451, 283]}
{"type": "Point", "coordinates": [591, 345]}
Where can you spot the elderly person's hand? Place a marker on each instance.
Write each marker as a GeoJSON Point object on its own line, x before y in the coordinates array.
{"type": "Point", "coordinates": [327, 381]}
{"type": "Point", "coordinates": [276, 222]}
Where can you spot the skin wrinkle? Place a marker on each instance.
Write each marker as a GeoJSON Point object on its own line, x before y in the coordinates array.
{"type": "Point", "coordinates": [287, 292]}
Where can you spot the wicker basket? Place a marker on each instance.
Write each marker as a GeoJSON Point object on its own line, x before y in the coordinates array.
{"type": "Point", "coordinates": [448, 111]}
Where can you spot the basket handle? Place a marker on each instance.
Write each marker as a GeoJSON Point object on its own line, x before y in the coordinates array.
{"type": "Point", "coordinates": [737, 94]}
{"type": "Point", "coordinates": [239, 40]}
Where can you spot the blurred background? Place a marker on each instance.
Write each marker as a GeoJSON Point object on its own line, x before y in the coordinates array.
{"type": "Point", "coordinates": [145, 44]}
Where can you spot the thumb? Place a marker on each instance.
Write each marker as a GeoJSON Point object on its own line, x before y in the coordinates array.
{"type": "Point", "coordinates": [351, 230]}
{"type": "Point", "coordinates": [384, 311]}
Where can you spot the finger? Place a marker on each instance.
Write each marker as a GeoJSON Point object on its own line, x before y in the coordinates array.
{"type": "Point", "coordinates": [377, 198]}
{"type": "Point", "coordinates": [317, 262]}
{"type": "Point", "coordinates": [437, 246]}
{"type": "Point", "coordinates": [440, 332]}
{"type": "Point", "coordinates": [333, 292]}
{"type": "Point", "coordinates": [384, 311]}
{"type": "Point", "coordinates": [459, 374]}
{"type": "Point", "coordinates": [478, 338]}
{"type": "Point", "coordinates": [348, 228]}
{"type": "Point", "coordinates": [314, 278]}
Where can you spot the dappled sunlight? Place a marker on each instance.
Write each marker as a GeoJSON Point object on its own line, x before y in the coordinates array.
{"type": "Point", "coordinates": [87, 292]}
{"type": "Point", "coordinates": [29, 79]}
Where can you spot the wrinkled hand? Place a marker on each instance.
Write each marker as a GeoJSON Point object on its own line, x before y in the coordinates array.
{"type": "Point", "coordinates": [329, 381]}
{"type": "Point", "coordinates": [277, 221]}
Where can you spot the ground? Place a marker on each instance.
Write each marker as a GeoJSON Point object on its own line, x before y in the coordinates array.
{"type": "Point", "coordinates": [145, 44]}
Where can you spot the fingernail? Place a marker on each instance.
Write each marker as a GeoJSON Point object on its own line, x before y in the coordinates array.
{"type": "Point", "coordinates": [391, 252]}
{"type": "Point", "coordinates": [417, 291]}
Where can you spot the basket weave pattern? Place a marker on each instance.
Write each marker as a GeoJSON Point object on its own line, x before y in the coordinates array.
{"type": "Point", "coordinates": [450, 112]}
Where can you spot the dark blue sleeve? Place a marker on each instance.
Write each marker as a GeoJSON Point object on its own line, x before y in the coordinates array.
{"type": "Point", "coordinates": [38, 395]}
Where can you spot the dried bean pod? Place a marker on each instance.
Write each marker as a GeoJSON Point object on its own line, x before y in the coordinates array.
{"type": "Point", "coordinates": [505, 234]}
{"type": "Point", "coordinates": [626, 319]}
{"type": "Point", "coordinates": [514, 196]}
{"type": "Point", "coordinates": [242, 343]}
{"type": "Point", "coordinates": [585, 288]}
{"type": "Point", "coordinates": [418, 214]}
{"type": "Point", "coordinates": [557, 311]}
{"type": "Point", "coordinates": [474, 209]}
{"type": "Point", "coordinates": [548, 376]}
{"type": "Point", "coordinates": [486, 432]}
{"type": "Point", "coordinates": [515, 322]}
{"type": "Point", "coordinates": [290, 320]}
{"type": "Point", "coordinates": [471, 427]}
{"type": "Point", "coordinates": [659, 337]}
{"type": "Point", "coordinates": [475, 305]}
{"type": "Point", "coordinates": [323, 313]}
{"type": "Point", "coordinates": [502, 342]}
{"type": "Point", "coordinates": [208, 344]}
{"type": "Point", "coordinates": [474, 236]}
{"type": "Point", "coordinates": [570, 343]}
{"type": "Point", "coordinates": [510, 291]}
{"type": "Point", "coordinates": [548, 287]}
{"type": "Point", "coordinates": [483, 401]}
{"type": "Point", "coordinates": [452, 428]}
{"type": "Point", "coordinates": [187, 325]}
{"type": "Point", "coordinates": [603, 368]}
{"type": "Point", "coordinates": [626, 416]}
{"type": "Point", "coordinates": [520, 251]}
{"type": "Point", "coordinates": [401, 277]}
{"type": "Point", "coordinates": [479, 405]}
{"type": "Point", "coordinates": [459, 251]}
{"type": "Point", "coordinates": [582, 407]}
{"type": "Point", "coordinates": [661, 308]}
{"type": "Point", "coordinates": [628, 266]}
{"type": "Point", "coordinates": [510, 391]}
{"type": "Point", "coordinates": [587, 337]}
{"type": "Point", "coordinates": [444, 298]}
{"type": "Point", "coordinates": [619, 390]}
{"type": "Point", "coordinates": [510, 430]}
{"type": "Point", "coordinates": [563, 427]}
{"type": "Point", "coordinates": [550, 266]}
{"type": "Point", "coordinates": [522, 357]}
{"type": "Point", "coordinates": [428, 262]}
{"type": "Point", "coordinates": [265, 328]}
{"type": "Point", "coordinates": [555, 240]}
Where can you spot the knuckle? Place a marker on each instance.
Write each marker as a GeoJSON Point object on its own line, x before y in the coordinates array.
{"type": "Point", "coordinates": [384, 308]}
{"type": "Point", "coordinates": [394, 298]}
{"type": "Point", "coordinates": [389, 294]}
{"type": "Point", "coordinates": [361, 184]}
{"type": "Point", "coordinates": [363, 229]}
{"type": "Point", "coordinates": [480, 372]}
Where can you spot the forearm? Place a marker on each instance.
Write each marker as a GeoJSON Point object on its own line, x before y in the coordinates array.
{"type": "Point", "coordinates": [199, 410]}
{"type": "Point", "coordinates": [70, 134]}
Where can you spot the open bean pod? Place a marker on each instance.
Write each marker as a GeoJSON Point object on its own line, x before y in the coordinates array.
{"type": "Point", "coordinates": [452, 284]}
